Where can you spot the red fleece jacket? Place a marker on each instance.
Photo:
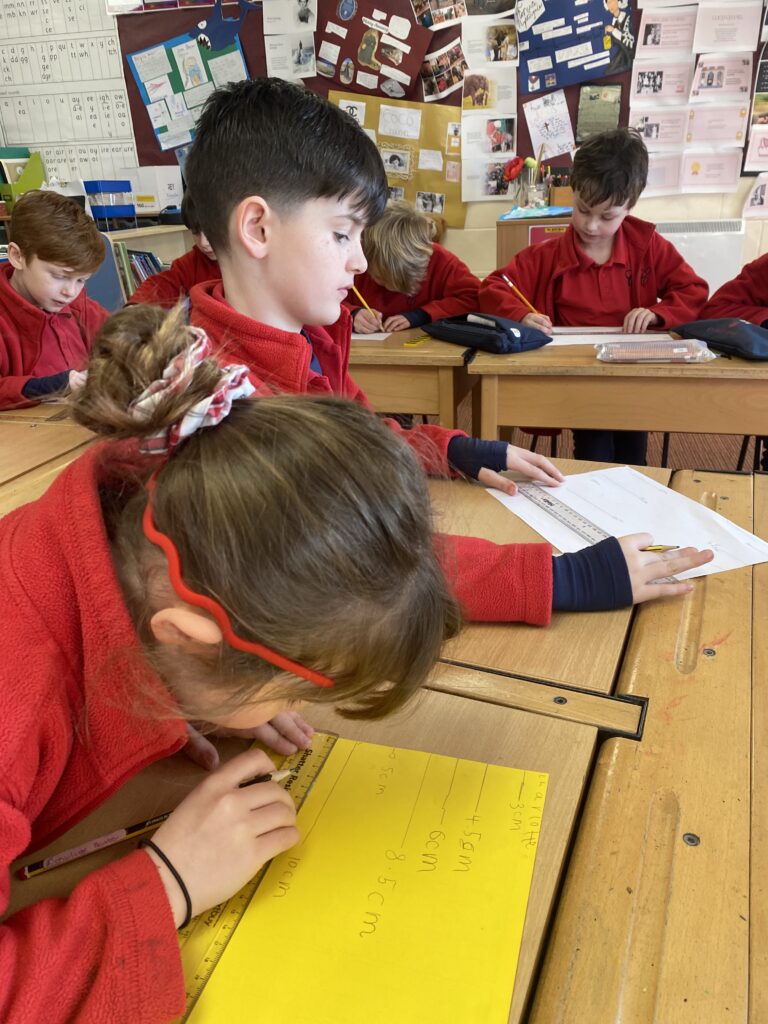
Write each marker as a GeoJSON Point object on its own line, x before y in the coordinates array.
{"type": "Point", "coordinates": [23, 331]}
{"type": "Point", "coordinates": [68, 740]}
{"type": "Point", "coordinates": [450, 288]}
{"type": "Point", "coordinates": [746, 296]}
{"type": "Point", "coordinates": [658, 278]}
{"type": "Point", "coordinates": [493, 582]}
{"type": "Point", "coordinates": [167, 288]}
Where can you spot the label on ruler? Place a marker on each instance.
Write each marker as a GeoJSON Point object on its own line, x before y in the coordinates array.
{"type": "Point", "coordinates": [205, 938]}
{"type": "Point", "coordinates": [579, 524]}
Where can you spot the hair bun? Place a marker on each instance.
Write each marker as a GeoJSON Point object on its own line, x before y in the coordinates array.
{"type": "Point", "coordinates": [133, 349]}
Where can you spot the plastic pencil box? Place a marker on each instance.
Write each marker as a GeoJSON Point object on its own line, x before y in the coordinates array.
{"type": "Point", "coordinates": [666, 351]}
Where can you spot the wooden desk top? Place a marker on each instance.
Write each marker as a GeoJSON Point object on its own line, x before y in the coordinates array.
{"type": "Point", "coordinates": [576, 649]}
{"type": "Point", "coordinates": [580, 360]}
{"type": "Point", "coordinates": [26, 447]}
{"type": "Point", "coordinates": [395, 351]}
{"type": "Point", "coordinates": [44, 412]}
{"type": "Point", "coordinates": [758, 902]}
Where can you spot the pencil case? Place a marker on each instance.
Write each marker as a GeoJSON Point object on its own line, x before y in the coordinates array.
{"type": "Point", "coordinates": [729, 335]}
{"type": "Point", "coordinates": [487, 332]}
{"type": "Point", "coordinates": [668, 351]}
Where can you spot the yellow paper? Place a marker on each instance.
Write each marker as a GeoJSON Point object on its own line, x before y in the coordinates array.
{"type": "Point", "coordinates": [404, 901]}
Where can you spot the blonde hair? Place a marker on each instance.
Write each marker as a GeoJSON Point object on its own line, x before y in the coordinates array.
{"type": "Point", "coordinates": [276, 514]}
{"type": "Point", "coordinates": [398, 247]}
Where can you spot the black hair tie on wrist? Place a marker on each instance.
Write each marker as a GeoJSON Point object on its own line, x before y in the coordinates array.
{"type": "Point", "coordinates": [176, 875]}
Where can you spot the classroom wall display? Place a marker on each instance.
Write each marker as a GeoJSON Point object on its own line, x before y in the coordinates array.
{"type": "Point", "coordinates": [599, 107]}
{"type": "Point", "coordinates": [489, 40]}
{"type": "Point", "coordinates": [549, 125]}
{"type": "Point", "coordinates": [420, 145]}
{"type": "Point", "coordinates": [176, 77]}
{"type": "Point", "coordinates": [756, 203]}
{"type": "Point", "coordinates": [437, 14]}
{"type": "Point", "coordinates": [371, 51]}
{"type": "Point", "coordinates": [116, 7]}
{"type": "Point", "coordinates": [442, 71]}
{"type": "Point", "coordinates": [562, 43]}
{"type": "Point", "coordinates": [489, 135]}
{"type": "Point", "coordinates": [61, 87]}
{"type": "Point", "coordinates": [757, 150]}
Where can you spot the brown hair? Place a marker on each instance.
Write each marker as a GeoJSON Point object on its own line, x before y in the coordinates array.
{"type": "Point", "coordinates": [189, 214]}
{"type": "Point", "coordinates": [276, 514]}
{"type": "Point", "coordinates": [54, 228]}
{"type": "Point", "coordinates": [611, 167]}
{"type": "Point", "coordinates": [398, 247]}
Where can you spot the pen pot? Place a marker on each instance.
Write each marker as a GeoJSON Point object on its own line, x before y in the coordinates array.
{"type": "Point", "coordinates": [537, 195]}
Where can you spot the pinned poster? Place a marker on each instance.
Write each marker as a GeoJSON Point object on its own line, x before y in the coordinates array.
{"type": "Point", "coordinates": [442, 71]}
{"type": "Point", "coordinates": [437, 14]}
{"type": "Point", "coordinates": [562, 43]}
{"type": "Point", "coordinates": [549, 125]}
{"type": "Point", "coordinates": [722, 75]}
{"type": "Point", "coordinates": [756, 203]}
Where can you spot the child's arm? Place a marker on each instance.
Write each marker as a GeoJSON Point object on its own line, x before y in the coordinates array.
{"type": "Point", "coordinates": [746, 296]}
{"type": "Point", "coordinates": [497, 297]}
{"type": "Point", "coordinates": [682, 292]}
{"type": "Point", "coordinates": [110, 952]}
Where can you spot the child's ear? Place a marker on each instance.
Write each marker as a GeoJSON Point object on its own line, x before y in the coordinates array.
{"type": "Point", "coordinates": [182, 627]}
{"type": "Point", "coordinates": [252, 220]}
{"type": "Point", "coordinates": [15, 257]}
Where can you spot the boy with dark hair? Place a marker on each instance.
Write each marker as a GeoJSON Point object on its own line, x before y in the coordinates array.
{"type": "Point", "coordinates": [47, 323]}
{"type": "Point", "coordinates": [194, 267]}
{"type": "Point", "coordinates": [285, 213]}
{"type": "Point", "coordinates": [607, 268]}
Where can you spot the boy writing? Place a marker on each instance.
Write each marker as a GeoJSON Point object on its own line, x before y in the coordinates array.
{"type": "Point", "coordinates": [197, 265]}
{"type": "Point", "coordinates": [411, 280]}
{"type": "Point", "coordinates": [47, 322]}
{"type": "Point", "coordinates": [286, 220]}
{"type": "Point", "coordinates": [607, 268]}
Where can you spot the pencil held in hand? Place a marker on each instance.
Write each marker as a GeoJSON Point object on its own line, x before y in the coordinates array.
{"type": "Point", "coordinates": [360, 299]}
{"type": "Point", "coordinates": [520, 295]}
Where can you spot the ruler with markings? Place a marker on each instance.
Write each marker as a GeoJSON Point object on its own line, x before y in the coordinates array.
{"type": "Point", "coordinates": [579, 524]}
{"type": "Point", "coordinates": [205, 938]}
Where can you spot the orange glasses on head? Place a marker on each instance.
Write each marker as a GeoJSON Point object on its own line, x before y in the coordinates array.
{"type": "Point", "coordinates": [164, 542]}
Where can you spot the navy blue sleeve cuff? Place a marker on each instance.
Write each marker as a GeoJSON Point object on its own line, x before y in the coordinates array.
{"type": "Point", "coordinates": [593, 580]}
{"type": "Point", "coordinates": [469, 455]}
{"type": "Point", "coordinates": [39, 387]}
{"type": "Point", "coordinates": [417, 318]}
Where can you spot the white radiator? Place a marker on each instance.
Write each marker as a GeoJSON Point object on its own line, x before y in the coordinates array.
{"type": "Point", "coordinates": [712, 247]}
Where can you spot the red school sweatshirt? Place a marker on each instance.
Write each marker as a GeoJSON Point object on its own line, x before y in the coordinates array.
{"type": "Point", "coordinates": [652, 275]}
{"type": "Point", "coordinates": [450, 288]}
{"type": "Point", "coordinates": [34, 343]}
{"type": "Point", "coordinates": [68, 740]}
{"type": "Point", "coordinates": [493, 582]}
{"type": "Point", "coordinates": [746, 296]}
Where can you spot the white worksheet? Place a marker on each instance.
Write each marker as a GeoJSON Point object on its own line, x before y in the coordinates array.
{"type": "Point", "coordinates": [587, 336]}
{"type": "Point", "coordinates": [622, 501]}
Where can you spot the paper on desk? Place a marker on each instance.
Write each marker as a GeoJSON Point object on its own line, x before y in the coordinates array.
{"type": "Point", "coordinates": [411, 878]}
{"type": "Point", "coordinates": [599, 336]}
{"type": "Point", "coordinates": [376, 336]}
{"type": "Point", "coordinates": [622, 501]}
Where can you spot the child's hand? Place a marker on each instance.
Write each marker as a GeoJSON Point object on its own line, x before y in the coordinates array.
{"type": "Point", "coordinates": [639, 320]}
{"type": "Point", "coordinates": [76, 379]}
{"type": "Point", "coordinates": [367, 321]}
{"type": "Point", "coordinates": [645, 567]}
{"type": "Point", "coordinates": [538, 320]}
{"type": "Point", "coordinates": [286, 733]}
{"type": "Point", "coordinates": [396, 323]}
{"type": "Point", "coordinates": [535, 466]}
{"type": "Point", "coordinates": [219, 836]}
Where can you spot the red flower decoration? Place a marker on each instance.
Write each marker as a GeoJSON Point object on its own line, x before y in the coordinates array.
{"type": "Point", "coordinates": [513, 167]}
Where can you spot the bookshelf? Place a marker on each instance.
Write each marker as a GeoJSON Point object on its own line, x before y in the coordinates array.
{"type": "Point", "coordinates": [167, 241]}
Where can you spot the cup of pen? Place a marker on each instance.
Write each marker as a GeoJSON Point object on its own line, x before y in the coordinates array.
{"type": "Point", "coordinates": [537, 196]}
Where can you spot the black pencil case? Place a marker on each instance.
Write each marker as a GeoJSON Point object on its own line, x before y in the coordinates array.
{"type": "Point", "coordinates": [729, 335]}
{"type": "Point", "coordinates": [487, 332]}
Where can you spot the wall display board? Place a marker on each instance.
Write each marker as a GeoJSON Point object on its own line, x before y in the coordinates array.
{"type": "Point", "coordinates": [420, 145]}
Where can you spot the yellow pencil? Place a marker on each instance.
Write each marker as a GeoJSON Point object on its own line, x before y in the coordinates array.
{"type": "Point", "coordinates": [661, 547]}
{"type": "Point", "coordinates": [361, 299]}
{"type": "Point", "coordinates": [520, 295]}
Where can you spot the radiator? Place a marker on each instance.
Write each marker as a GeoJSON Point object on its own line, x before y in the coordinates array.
{"type": "Point", "coordinates": [712, 247]}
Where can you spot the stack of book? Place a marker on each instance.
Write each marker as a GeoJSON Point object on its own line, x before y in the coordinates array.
{"type": "Point", "coordinates": [135, 266]}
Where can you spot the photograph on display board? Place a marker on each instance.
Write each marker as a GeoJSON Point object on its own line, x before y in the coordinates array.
{"type": "Point", "coordinates": [437, 14]}
{"type": "Point", "coordinates": [442, 71]}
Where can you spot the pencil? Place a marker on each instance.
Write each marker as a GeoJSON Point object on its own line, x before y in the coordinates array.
{"type": "Point", "coordinates": [520, 295]}
{"type": "Point", "coordinates": [120, 835]}
{"type": "Point", "coordinates": [662, 547]}
{"type": "Point", "coordinates": [361, 299]}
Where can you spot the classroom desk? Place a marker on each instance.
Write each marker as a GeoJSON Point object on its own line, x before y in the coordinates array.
{"type": "Point", "coordinates": [44, 412]}
{"type": "Point", "coordinates": [34, 449]}
{"type": "Point", "coordinates": [568, 387]}
{"type": "Point", "coordinates": [648, 817]}
{"type": "Point", "coordinates": [428, 377]}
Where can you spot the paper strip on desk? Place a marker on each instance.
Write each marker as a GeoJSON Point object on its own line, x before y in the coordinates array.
{"type": "Point", "coordinates": [376, 336]}
{"type": "Point", "coordinates": [622, 501]}
{"type": "Point", "coordinates": [596, 336]}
